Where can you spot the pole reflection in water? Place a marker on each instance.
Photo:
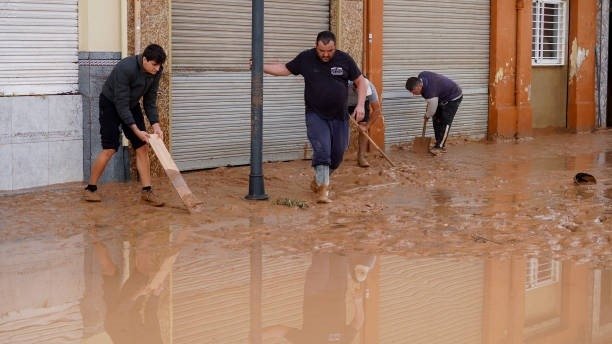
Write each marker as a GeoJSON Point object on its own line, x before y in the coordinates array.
{"type": "Point", "coordinates": [255, 292]}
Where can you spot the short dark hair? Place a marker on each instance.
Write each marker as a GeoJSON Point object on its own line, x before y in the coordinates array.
{"type": "Point", "coordinates": [412, 82]}
{"type": "Point", "coordinates": [325, 37]}
{"type": "Point", "coordinates": [154, 52]}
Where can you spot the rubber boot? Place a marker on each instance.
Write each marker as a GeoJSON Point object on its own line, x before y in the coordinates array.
{"type": "Point", "coordinates": [313, 185]}
{"type": "Point", "coordinates": [323, 194]}
{"type": "Point", "coordinates": [320, 184]}
{"type": "Point", "coordinates": [363, 147]}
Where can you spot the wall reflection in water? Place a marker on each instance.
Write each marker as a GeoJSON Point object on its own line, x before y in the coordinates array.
{"type": "Point", "coordinates": [143, 286]}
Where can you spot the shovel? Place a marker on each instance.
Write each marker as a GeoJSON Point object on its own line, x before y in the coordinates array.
{"type": "Point", "coordinates": [421, 144]}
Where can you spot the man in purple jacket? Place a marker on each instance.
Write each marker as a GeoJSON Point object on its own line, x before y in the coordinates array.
{"type": "Point", "coordinates": [443, 97]}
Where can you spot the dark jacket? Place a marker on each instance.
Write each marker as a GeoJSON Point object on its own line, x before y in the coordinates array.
{"type": "Point", "coordinates": [325, 83]}
{"type": "Point", "coordinates": [127, 83]}
{"type": "Point", "coordinates": [437, 85]}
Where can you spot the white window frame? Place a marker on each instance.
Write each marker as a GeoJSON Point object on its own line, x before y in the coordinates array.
{"type": "Point", "coordinates": [542, 273]}
{"type": "Point", "coordinates": [540, 49]}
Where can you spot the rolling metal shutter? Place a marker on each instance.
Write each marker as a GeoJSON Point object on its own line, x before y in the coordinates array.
{"type": "Point", "coordinates": [211, 83]}
{"type": "Point", "coordinates": [39, 50]}
{"type": "Point", "coordinates": [450, 37]}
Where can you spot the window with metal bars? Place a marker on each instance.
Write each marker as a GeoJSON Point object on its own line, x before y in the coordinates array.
{"type": "Point", "coordinates": [549, 32]}
{"type": "Point", "coordinates": [541, 272]}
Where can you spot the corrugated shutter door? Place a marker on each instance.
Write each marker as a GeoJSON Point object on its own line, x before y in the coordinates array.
{"type": "Point", "coordinates": [450, 37]}
{"type": "Point", "coordinates": [39, 50]}
{"type": "Point", "coordinates": [211, 84]}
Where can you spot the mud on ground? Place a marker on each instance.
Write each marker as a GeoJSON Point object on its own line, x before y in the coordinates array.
{"type": "Point", "coordinates": [478, 199]}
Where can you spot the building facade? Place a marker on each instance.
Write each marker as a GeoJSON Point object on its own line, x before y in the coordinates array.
{"type": "Point", "coordinates": [41, 131]}
{"type": "Point", "coordinates": [523, 65]}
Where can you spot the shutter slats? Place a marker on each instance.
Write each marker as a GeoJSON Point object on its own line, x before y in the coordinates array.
{"type": "Point", "coordinates": [211, 86]}
{"type": "Point", "coordinates": [39, 51]}
{"type": "Point", "coordinates": [457, 46]}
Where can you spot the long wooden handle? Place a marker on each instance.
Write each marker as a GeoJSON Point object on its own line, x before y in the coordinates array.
{"type": "Point", "coordinates": [372, 141]}
{"type": "Point", "coordinates": [424, 124]}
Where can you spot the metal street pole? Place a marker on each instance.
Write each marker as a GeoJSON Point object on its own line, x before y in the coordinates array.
{"type": "Point", "coordinates": [256, 181]}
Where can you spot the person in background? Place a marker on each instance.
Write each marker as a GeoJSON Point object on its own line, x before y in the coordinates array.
{"type": "Point", "coordinates": [443, 97]}
{"type": "Point", "coordinates": [372, 114]}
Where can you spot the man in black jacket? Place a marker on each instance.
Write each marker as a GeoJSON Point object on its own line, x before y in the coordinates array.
{"type": "Point", "coordinates": [133, 78]}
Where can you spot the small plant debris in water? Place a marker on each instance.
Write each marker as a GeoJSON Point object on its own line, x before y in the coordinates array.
{"type": "Point", "coordinates": [292, 203]}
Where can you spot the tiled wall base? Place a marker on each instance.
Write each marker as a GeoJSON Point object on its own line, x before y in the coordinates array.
{"type": "Point", "coordinates": [94, 68]}
{"type": "Point", "coordinates": [41, 141]}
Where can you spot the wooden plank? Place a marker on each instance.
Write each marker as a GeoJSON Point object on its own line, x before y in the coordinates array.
{"type": "Point", "coordinates": [191, 201]}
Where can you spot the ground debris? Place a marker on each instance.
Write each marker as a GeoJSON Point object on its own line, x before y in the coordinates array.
{"type": "Point", "coordinates": [292, 203]}
{"type": "Point", "coordinates": [481, 239]}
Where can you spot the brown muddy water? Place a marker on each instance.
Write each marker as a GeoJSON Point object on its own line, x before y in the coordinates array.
{"type": "Point", "coordinates": [488, 243]}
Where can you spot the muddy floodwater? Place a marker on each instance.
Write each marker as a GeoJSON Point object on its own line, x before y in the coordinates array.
{"type": "Point", "coordinates": [486, 243]}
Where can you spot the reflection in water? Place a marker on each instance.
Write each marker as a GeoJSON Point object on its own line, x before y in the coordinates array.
{"type": "Point", "coordinates": [332, 280]}
{"type": "Point", "coordinates": [41, 284]}
{"type": "Point", "coordinates": [602, 306]}
{"type": "Point", "coordinates": [132, 305]}
{"type": "Point", "coordinates": [149, 293]}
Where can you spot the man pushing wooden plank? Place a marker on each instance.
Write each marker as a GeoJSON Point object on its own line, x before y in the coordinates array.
{"type": "Point", "coordinates": [132, 79]}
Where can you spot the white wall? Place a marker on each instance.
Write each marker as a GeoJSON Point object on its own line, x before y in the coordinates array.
{"type": "Point", "coordinates": [100, 25]}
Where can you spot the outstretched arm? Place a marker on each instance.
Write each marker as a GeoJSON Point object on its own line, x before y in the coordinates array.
{"type": "Point", "coordinates": [276, 69]}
